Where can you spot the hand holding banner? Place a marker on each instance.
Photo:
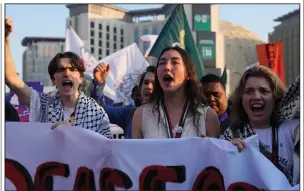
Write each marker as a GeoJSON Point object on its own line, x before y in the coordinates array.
{"type": "Point", "coordinates": [40, 158]}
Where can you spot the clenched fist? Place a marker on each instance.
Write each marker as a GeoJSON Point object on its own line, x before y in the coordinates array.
{"type": "Point", "coordinates": [101, 71]}
{"type": "Point", "coordinates": [8, 27]}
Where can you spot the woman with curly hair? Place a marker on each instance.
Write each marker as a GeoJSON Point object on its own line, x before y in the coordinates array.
{"type": "Point", "coordinates": [254, 112]}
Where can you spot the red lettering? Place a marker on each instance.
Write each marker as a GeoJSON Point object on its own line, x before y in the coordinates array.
{"type": "Point", "coordinates": [18, 175]}
{"type": "Point", "coordinates": [46, 171]}
{"type": "Point", "coordinates": [151, 178]}
{"type": "Point", "coordinates": [84, 179]}
{"type": "Point", "coordinates": [110, 177]}
{"type": "Point", "coordinates": [155, 177]}
{"type": "Point", "coordinates": [209, 179]}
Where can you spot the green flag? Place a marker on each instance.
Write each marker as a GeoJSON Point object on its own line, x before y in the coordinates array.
{"type": "Point", "coordinates": [224, 77]}
{"type": "Point", "coordinates": [177, 30]}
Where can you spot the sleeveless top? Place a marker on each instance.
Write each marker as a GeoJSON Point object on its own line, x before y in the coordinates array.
{"type": "Point", "coordinates": [154, 127]}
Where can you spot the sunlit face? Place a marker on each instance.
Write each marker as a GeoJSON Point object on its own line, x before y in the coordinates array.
{"type": "Point", "coordinates": [67, 78]}
{"type": "Point", "coordinates": [171, 71]}
{"type": "Point", "coordinates": [147, 87]}
{"type": "Point", "coordinates": [216, 96]}
{"type": "Point", "coordinates": [258, 100]}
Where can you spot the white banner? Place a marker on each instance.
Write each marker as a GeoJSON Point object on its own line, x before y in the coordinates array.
{"type": "Point", "coordinates": [126, 66]}
{"type": "Point", "coordinates": [75, 158]}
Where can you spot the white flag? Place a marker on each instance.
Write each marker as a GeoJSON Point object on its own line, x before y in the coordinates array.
{"type": "Point", "coordinates": [73, 43]}
{"type": "Point", "coordinates": [126, 65]}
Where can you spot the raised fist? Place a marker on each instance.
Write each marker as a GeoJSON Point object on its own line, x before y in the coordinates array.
{"type": "Point", "coordinates": [101, 71]}
{"type": "Point", "coordinates": [8, 27]}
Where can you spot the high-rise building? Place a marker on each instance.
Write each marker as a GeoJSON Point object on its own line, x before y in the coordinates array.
{"type": "Point", "coordinates": [37, 55]}
{"type": "Point", "coordinates": [106, 28]}
{"type": "Point", "coordinates": [288, 32]}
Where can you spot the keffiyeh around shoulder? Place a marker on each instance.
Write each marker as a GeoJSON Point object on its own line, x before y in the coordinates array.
{"type": "Point", "coordinates": [229, 134]}
{"type": "Point", "coordinates": [289, 106]}
{"type": "Point", "coordinates": [88, 114]}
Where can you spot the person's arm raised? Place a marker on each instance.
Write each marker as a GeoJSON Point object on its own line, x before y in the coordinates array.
{"type": "Point", "coordinates": [101, 71]}
{"type": "Point", "coordinates": [12, 79]}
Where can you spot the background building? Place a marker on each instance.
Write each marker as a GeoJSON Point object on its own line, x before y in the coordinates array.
{"type": "Point", "coordinates": [37, 55]}
{"type": "Point", "coordinates": [288, 32]}
{"type": "Point", "coordinates": [239, 51]}
{"type": "Point", "coordinates": [106, 28]}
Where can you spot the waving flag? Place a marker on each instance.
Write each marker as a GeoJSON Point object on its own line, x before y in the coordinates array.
{"type": "Point", "coordinates": [271, 55]}
{"type": "Point", "coordinates": [177, 32]}
{"type": "Point", "coordinates": [125, 67]}
{"type": "Point", "coordinates": [73, 43]}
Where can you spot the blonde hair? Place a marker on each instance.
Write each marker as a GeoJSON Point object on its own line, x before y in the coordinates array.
{"type": "Point", "coordinates": [238, 115]}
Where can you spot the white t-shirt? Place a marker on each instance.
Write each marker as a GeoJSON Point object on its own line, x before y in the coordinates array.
{"type": "Point", "coordinates": [285, 143]}
{"type": "Point", "coordinates": [67, 113]}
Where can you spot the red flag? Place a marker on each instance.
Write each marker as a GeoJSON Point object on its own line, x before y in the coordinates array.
{"type": "Point", "coordinates": [271, 55]}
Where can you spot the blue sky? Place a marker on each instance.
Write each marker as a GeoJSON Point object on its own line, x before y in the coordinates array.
{"type": "Point", "coordinates": [49, 20]}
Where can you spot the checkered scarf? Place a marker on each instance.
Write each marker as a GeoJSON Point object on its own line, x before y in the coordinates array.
{"type": "Point", "coordinates": [88, 113]}
{"type": "Point", "coordinates": [289, 106]}
{"type": "Point", "coordinates": [245, 132]}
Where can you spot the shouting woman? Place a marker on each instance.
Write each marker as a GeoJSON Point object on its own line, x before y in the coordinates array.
{"type": "Point", "coordinates": [176, 107]}
{"type": "Point", "coordinates": [254, 112]}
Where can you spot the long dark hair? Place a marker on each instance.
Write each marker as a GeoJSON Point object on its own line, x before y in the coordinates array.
{"type": "Point", "coordinates": [238, 114]}
{"type": "Point", "coordinates": [192, 87]}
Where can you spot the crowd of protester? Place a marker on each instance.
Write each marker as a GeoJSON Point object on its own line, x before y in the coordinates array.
{"type": "Point", "coordinates": [170, 102]}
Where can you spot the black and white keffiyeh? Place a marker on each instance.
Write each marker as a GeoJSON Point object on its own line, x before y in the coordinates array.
{"type": "Point", "coordinates": [289, 108]}
{"type": "Point", "coordinates": [88, 114]}
{"type": "Point", "coordinates": [247, 131]}
{"type": "Point", "coordinates": [289, 105]}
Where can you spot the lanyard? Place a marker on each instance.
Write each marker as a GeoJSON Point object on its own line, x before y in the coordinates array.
{"type": "Point", "coordinates": [275, 139]}
{"type": "Point", "coordinates": [175, 132]}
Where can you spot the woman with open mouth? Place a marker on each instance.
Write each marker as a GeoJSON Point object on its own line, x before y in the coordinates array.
{"type": "Point", "coordinates": [254, 112]}
{"type": "Point", "coordinates": [176, 107]}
